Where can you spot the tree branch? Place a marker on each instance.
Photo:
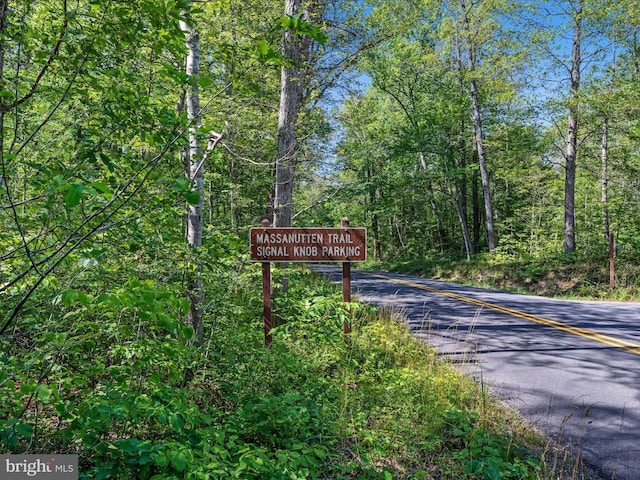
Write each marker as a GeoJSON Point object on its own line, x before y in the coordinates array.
{"type": "Point", "coordinates": [45, 67]}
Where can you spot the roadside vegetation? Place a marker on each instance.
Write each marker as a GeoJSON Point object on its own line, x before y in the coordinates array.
{"type": "Point", "coordinates": [581, 275]}
{"type": "Point", "coordinates": [114, 377]}
{"type": "Point", "coordinates": [140, 140]}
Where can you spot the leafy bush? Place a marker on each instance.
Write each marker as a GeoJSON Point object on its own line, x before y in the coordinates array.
{"type": "Point", "coordinates": [113, 376]}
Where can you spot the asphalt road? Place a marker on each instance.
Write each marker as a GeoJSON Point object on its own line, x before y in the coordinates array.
{"type": "Point", "coordinates": [572, 368]}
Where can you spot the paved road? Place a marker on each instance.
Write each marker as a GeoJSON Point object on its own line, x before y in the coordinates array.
{"type": "Point", "coordinates": [571, 367]}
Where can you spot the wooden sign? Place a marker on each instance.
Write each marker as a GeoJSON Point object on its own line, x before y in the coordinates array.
{"type": "Point", "coordinates": [273, 244]}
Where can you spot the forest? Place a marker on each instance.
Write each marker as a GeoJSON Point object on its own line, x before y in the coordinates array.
{"type": "Point", "coordinates": [140, 141]}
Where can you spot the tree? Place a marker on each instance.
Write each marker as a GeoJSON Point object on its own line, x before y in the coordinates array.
{"type": "Point", "coordinates": [366, 155]}
{"type": "Point", "coordinates": [70, 75]}
{"type": "Point", "coordinates": [295, 50]}
{"type": "Point", "coordinates": [472, 29]}
{"type": "Point", "coordinates": [194, 170]}
{"type": "Point", "coordinates": [412, 75]}
{"type": "Point", "coordinates": [569, 244]}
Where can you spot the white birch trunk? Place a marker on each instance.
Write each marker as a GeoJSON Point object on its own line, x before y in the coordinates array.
{"type": "Point", "coordinates": [605, 179]}
{"type": "Point", "coordinates": [194, 171]}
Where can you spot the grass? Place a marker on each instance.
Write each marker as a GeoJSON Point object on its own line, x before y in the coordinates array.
{"type": "Point", "coordinates": [120, 385]}
{"type": "Point", "coordinates": [403, 412]}
{"type": "Point", "coordinates": [582, 275]}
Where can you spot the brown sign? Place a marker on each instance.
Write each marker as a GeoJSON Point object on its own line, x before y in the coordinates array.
{"type": "Point", "coordinates": [273, 244]}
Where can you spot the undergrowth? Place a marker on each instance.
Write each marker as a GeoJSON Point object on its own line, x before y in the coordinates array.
{"type": "Point", "coordinates": [114, 378]}
{"type": "Point", "coordinates": [583, 274]}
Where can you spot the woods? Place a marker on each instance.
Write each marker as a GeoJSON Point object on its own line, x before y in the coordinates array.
{"type": "Point", "coordinates": [140, 140]}
{"type": "Point", "coordinates": [495, 91]}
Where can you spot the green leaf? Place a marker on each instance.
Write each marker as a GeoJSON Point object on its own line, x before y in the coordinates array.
{"type": "Point", "coordinates": [204, 81]}
{"type": "Point", "coordinates": [172, 72]}
{"type": "Point", "coordinates": [266, 52]}
{"type": "Point", "coordinates": [179, 461]}
{"type": "Point", "coordinates": [107, 162]}
{"type": "Point", "coordinates": [43, 393]}
{"type": "Point", "coordinates": [180, 185]}
{"type": "Point", "coordinates": [187, 332]}
{"type": "Point", "coordinates": [262, 47]}
{"type": "Point", "coordinates": [24, 430]}
{"type": "Point", "coordinates": [73, 196]}
{"type": "Point", "coordinates": [69, 297]}
{"type": "Point", "coordinates": [161, 460]}
{"type": "Point", "coordinates": [472, 466]}
{"type": "Point", "coordinates": [177, 423]}
{"type": "Point", "coordinates": [103, 188]}
{"type": "Point", "coordinates": [299, 26]}
{"type": "Point", "coordinates": [193, 197]}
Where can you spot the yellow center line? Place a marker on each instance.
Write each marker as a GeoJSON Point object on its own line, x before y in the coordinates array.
{"type": "Point", "coordinates": [582, 332]}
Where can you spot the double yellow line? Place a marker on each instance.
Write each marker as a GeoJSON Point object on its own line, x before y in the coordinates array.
{"type": "Point", "coordinates": [581, 332]}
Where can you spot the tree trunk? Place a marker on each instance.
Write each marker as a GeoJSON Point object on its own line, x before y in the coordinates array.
{"type": "Point", "coordinates": [484, 175]}
{"type": "Point", "coordinates": [572, 139]}
{"type": "Point", "coordinates": [375, 227]}
{"type": "Point", "coordinates": [605, 179]}
{"type": "Point", "coordinates": [635, 51]}
{"type": "Point", "coordinates": [442, 234]}
{"type": "Point", "coordinates": [377, 249]}
{"type": "Point", "coordinates": [456, 199]}
{"type": "Point", "coordinates": [233, 207]}
{"type": "Point", "coordinates": [195, 174]}
{"type": "Point", "coordinates": [477, 126]}
{"type": "Point", "coordinates": [468, 246]}
{"type": "Point", "coordinates": [4, 5]}
{"type": "Point", "coordinates": [475, 200]}
{"type": "Point", "coordinates": [462, 187]}
{"type": "Point", "coordinates": [461, 184]}
{"type": "Point", "coordinates": [434, 208]}
{"type": "Point", "coordinates": [290, 101]}
{"type": "Point", "coordinates": [294, 49]}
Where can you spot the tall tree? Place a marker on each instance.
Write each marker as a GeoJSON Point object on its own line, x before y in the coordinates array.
{"type": "Point", "coordinates": [569, 243]}
{"type": "Point", "coordinates": [413, 75]}
{"type": "Point", "coordinates": [240, 80]}
{"type": "Point", "coordinates": [295, 49]}
{"type": "Point", "coordinates": [604, 179]}
{"type": "Point", "coordinates": [470, 29]}
{"type": "Point", "coordinates": [194, 171]}
{"type": "Point", "coordinates": [471, 47]}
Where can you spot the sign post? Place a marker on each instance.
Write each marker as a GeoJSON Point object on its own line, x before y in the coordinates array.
{"type": "Point", "coordinates": [287, 244]}
{"type": "Point", "coordinates": [266, 297]}
{"type": "Point", "coordinates": [346, 282]}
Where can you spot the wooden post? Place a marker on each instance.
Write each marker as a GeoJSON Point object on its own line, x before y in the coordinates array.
{"type": "Point", "coordinates": [266, 297]}
{"type": "Point", "coordinates": [611, 261]}
{"type": "Point", "coordinates": [346, 282]}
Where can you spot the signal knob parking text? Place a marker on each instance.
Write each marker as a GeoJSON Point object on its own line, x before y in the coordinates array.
{"type": "Point", "coordinates": [302, 245]}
